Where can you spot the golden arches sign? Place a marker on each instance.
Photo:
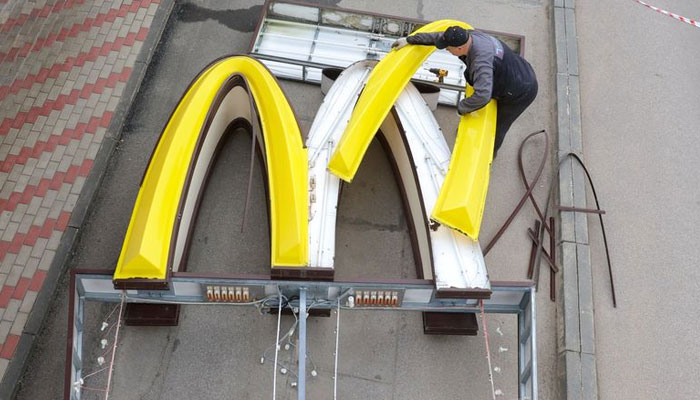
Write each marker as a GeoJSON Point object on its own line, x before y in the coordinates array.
{"type": "Point", "coordinates": [240, 89]}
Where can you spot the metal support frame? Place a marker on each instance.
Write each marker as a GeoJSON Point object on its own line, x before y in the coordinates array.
{"type": "Point", "coordinates": [303, 63]}
{"type": "Point", "coordinates": [418, 295]}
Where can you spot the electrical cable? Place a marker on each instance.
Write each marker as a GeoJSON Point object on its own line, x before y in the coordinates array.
{"type": "Point", "coordinates": [529, 186]}
{"type": "Point", "coordinates": [114, 345]}
{"type": "Point", "coordinates": [540, 234]}
{"type": "Point", "coordinates": [279, 319]}
{"type": "Point", "coordinates": [488, 348]}
{"type": "Point", "coordinates": [528, 192]}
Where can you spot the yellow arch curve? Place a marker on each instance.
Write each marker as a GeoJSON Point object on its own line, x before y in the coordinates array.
{"type": "Point", "coordinates": [148, 245]}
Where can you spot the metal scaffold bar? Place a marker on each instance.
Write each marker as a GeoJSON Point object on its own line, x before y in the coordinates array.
{"type": "Point", "coordinates": [301, 392]}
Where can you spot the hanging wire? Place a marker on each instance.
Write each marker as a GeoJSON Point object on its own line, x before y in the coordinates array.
{"type": "Point", "coordinates": [488, 348]}
{"type": "Point", "coordinates": [114, 345]}
{"type": "Point", "coordinates": [277, 347]}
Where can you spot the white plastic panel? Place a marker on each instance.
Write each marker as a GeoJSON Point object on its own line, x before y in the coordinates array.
{"type": "Point", "coordinates": [286, 39]}
{"type": "Point", "coordinates": [457, 260]}
{"type": "Point", "coordinates": [324, 134]}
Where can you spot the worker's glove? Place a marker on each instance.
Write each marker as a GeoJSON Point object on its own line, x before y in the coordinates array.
{"type": "Point", "coordinates": [399, 43]}
{"type": "Point", "coordinates": [462, 108]}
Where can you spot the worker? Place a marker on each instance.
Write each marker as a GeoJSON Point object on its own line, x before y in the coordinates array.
{"type": "Point", "coordinates": [492, 69]}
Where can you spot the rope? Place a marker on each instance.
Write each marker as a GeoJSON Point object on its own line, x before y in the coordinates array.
{"type": "Point", "coordinates": [488, 348]}
{"type": "Point", "coordinates": [114, 346]}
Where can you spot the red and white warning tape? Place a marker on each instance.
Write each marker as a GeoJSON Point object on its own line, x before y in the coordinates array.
{"type": "Point", "coordinates": [670, 14]}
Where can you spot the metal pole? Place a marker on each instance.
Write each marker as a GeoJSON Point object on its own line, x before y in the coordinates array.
{"type": "Point", "coordinates": [337, 335]}
{"type": "Point", "coordinates": [301, 385]}
{"type": "Point", "coordinates": [533, 344]}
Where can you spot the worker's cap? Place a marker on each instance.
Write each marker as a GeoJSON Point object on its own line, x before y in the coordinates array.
{"type": "Point", "coordinates": [453, 36]}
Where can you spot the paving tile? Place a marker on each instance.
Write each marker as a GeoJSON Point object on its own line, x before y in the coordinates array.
{"type": "Point", "coordinates": [82, 151]}
{"type": "Point", "coordinates": [42, 164]}
{"type": "Point", "coordinates": [10, 231]}
{"type": "Point", "coordinates": [5, 327]}
{"type": "Point", "coordinates": [23, 255]}
{"type": "Point", "coordinates": [38, 248]}
{"type": "Point", "coordinates": [21, 183]}
{"type": "Point", "coordinates": [50, 170]}
{"type": "Point", "coordinates": [18, 325]}
{"type": "Point", "coordinates": [26, 223]}
{"type": "Point", "coordinates": [75, 191]}
{"type": "Point", "coordinates": [8, 348]}
{"type": "Point", "coordinates": [19, 212]}
{"type": "Point", "coordinates": [30, 267]}
{"type": "Point", "coordinates": [56, 209]}
{"type": "Point", "coordinates": [28, 302]}
{"type": "Point", "coordinates": [66, 161]}
{"type": "Point", "coordinates": [12, 310]}
{"type": "Point", "coordinates": [46, 260]}
{"type": "Point", "coordinates": [64, 192]}
{"type": "Point", "coordinates": [5, 219]}
{"type": "Point", "coordinates": [21, 288]}
{"type": "Point", "coordinates": [41, 216]}
{"type": "Point", "coordinates": [7, 189]}
{"type": "Point", "coordinates": [49, 198]}
{"type": "Point", "coordinates": [15, 274]}
{"type": "Point", "coordinates": [14, 175]}
{"type": "Point", "coordinates": [37, 280]}
{"type": "Point", "coordinates": [4, 150]}
{"type": "Point", "coordinates": [92, 151]}
{"type": "Point", "coordinates": [7, 264]}
{"type": "Point", "coordinates": [54, 241]}
{"type": "Point", "coordinates": [58, 154]}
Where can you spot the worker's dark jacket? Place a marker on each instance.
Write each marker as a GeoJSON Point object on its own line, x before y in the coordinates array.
{"type": "Point", "coordinates": [493, 70]}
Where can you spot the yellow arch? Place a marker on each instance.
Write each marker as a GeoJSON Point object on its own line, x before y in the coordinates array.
{"type": "Point", "coordinates": [383, 87]}
{"type": "Point", "coordinates": [147, 249]}
{"type": "Point", "coordinates": [461, 201]}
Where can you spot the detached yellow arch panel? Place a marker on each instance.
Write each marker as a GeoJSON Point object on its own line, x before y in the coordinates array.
{"type": "Point", "coordinates": [384, 86]}
{"type": "Point", "coordinates": [462, 197]}
{"type": "Point", "coordinates": [148, 248]}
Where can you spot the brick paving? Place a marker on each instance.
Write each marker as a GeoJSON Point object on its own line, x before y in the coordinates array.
{"type": "Point", "coordinates": [63, 67]}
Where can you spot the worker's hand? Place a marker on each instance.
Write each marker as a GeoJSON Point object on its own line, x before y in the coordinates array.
{"type": "Point", "coordinates": [399, 44]}
{"type": "Point", "coordinates": [462, 108]}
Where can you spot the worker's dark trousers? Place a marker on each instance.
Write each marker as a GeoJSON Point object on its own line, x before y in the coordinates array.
{"type": "Point", "coordinates": [510, 107]}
